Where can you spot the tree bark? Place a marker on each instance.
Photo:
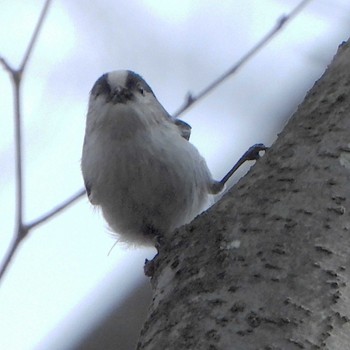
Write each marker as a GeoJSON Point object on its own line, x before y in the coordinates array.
{"type": "Point", "coordinates": [267, 267]}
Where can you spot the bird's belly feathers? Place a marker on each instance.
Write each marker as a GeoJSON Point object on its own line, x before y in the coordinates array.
{"type": "Point", "coordinates": [150, 187]}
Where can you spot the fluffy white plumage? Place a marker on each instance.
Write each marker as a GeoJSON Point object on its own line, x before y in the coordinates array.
{"type": "Point", "coordinates": [137, 162]}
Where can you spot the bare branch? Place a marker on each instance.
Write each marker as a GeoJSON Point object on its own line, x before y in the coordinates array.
{"type": "Point", "coordinates": [6, 65]}
{"type": "Point", "coordinates": [35, 35]}
{"type": "Point", "coordinates": [17, 79]}
{"type": "Point", "coordinates": [24, 229]}
{"type": "Point", "coordinates": [192, 99]}
{"type": "Point", "coordinates": [56, 210]}
{"type": "Point", "coordinates": [21, 233]}
{"type": "Point", "coordinates": [18, 158]}
{"type": "Point", "coordinates": [16, 74]}
{"type": "Point", "coordinates": [9, 255]}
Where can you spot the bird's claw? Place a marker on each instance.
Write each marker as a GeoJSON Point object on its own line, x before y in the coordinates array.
{"type": "Point", "coordinates": [253, 152]}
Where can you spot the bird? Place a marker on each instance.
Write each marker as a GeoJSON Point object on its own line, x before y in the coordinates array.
{"type": "Point", "coordinates": [138, 164]}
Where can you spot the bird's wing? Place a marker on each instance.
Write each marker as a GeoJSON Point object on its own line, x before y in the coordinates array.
{"type": "Point", "coordinates": [184, 128]}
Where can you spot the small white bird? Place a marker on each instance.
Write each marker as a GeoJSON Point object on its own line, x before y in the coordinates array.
{"type": "Point", "coordinates": [138, 164]}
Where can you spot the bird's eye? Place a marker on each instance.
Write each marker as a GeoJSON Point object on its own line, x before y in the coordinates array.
{"type": "Point", "coordinates": [141, 89]}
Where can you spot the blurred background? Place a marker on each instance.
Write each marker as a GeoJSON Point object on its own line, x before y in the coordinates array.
{"type": "Point", "coordinates": [63, 290]}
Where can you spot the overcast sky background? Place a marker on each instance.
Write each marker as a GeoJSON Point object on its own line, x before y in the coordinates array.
{"type": "Point", "coordinates": [177, 46]}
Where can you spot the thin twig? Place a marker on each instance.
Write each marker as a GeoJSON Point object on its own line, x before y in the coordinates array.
{"type": "Point", "coordinates": [16, 75]}
{"type": "Point", "coordinates": [6, 65]}
{"type": "Point", "coordinates": [9, 255]}
{"type": "Point", "coordinates": [35, 35]}
{"type": "Point", "coordinates": [190, 100]}
{"type": "Point", "coordinates": [18, 157]}
{"type": "Point", "coordinates": [24, 229]}
{"type": "Point", "coordinates": [55, 210]}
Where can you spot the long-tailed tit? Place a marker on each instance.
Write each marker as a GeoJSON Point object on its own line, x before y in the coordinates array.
{"type": "Point", "coordinates": [138, 164]}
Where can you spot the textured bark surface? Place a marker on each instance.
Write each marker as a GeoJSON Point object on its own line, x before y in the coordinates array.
{"type": "Point", "coordinates": [268, 266]}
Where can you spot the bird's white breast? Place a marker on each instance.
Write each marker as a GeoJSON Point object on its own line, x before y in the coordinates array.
{"type": "Point", "coordinates": [145, 177]}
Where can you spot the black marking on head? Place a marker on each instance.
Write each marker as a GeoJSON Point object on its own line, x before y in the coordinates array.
{"type": "Point", "coordinates": [135, 82]}
{"type": "Point", "coordinates": [114, 94]}
{"type": "Point", "coordinates": [101, 86]}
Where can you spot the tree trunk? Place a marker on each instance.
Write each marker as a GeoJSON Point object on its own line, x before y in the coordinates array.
{"type": "Point", "coordinates": [268, 266]}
